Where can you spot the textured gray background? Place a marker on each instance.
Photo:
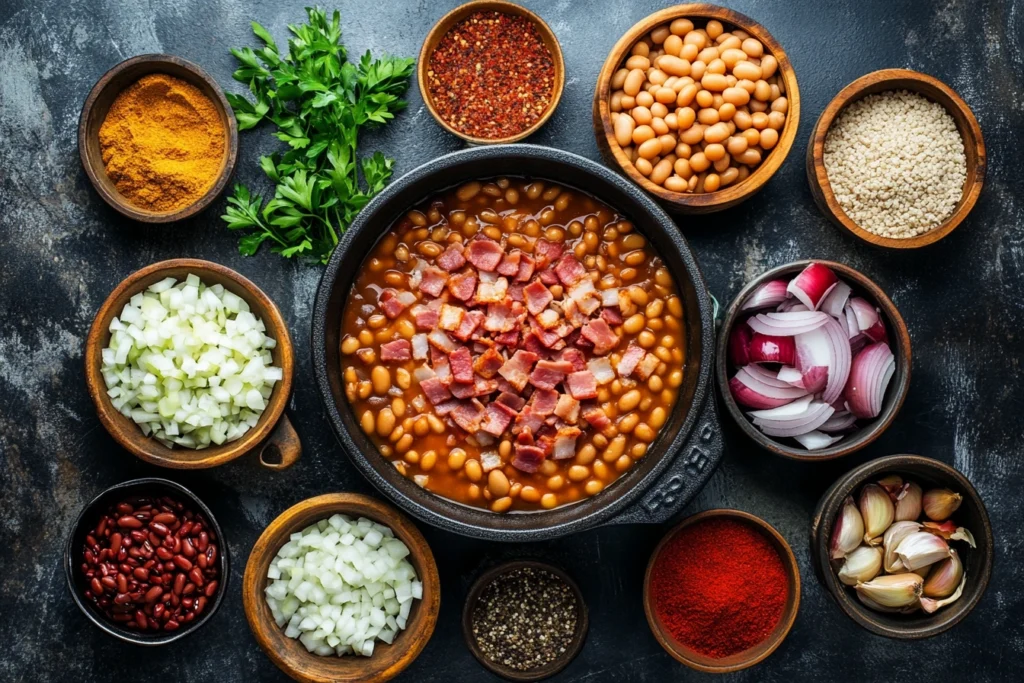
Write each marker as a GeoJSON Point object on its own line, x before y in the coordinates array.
{"type": "Point", "coordinates": [64, 250]}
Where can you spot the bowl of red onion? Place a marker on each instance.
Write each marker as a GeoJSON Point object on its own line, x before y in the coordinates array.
{"type": "Point", "coordinates": [813, 360]}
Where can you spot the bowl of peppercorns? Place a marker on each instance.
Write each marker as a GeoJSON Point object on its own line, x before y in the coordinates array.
{"type": "Point", "coordinates": [146, 562]}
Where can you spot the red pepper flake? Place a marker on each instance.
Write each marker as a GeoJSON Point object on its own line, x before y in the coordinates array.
{"type": "Point", "coordinates": [491, 76]}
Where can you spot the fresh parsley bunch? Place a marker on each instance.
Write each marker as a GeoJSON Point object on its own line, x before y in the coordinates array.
{"type": "Point", "coordinates": [318, 101]}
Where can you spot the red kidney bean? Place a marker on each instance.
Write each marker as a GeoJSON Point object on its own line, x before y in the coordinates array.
{"type": "Point", "coordinates": [179, 583]}
{"type": "Point", "coordinates": [122, 583]}
{"type": "Point", "coordinates": [141, 574]}
{"type": "Point", "coordinates": [187, 549]}
{"type": "Point", "coordinates": [201, 561]}
{"type": "Point", "coordinates": [211, 588]}
{"type": "Point", "coordinates": [200, 605]}
{"type": "Point", "coordinates": [196, 575]}
{"type": "Point", "coordinates": [90, 541]}
{"type": "Point", "coordinates": [211, 554]}
{"type": "Point", "coordinates": [121, 617]}
{"type": "Point", "coordinates": [187, 603]}
{"type": "Point", "coordinates": [170, 625]}
{"type": "Point", "coordinates": [138, 536]}
{"type": "Point", "coordinates": [165, 518]}
{"type": "Point", "coordinates": [189, 589]}
{"type": "Point", "coordinates": [182, 562]}
{"type": "Point", "coordinates": [204, 541]}
{"type": "Point", "coordinates": [122, 553]}
{"type": "Point", "coordinates": [97, 587]}
{"type": "Point", "coordinates": [129, 522]}
{"type": "Point", "coordinates": [140, 619]}
{"type": "Point", "coordinates": [183, 529]}
{"type": "Point", "coordinates": [125, 508]}
{"type": "Point", "coordinates": [109, 582]}
{"type": "Point", "coordinates": [177, 546]}
{"type": "Point", "coordinates": [101, 527]}
{"type": "Point", "coordinates": [159, 529]}
{"type": "Point", "coordinates": [153, 593]}
{"type": "Point", "coordinates": [175, 600]}
{"type": "Point", "coordinates": [164, 554]}
{"type": "Point", "coordinates": [189, 616]}
{"type": "Point", "coordinates": [122, 599]}
{"type": "Point", "coordinates": [158, 610]}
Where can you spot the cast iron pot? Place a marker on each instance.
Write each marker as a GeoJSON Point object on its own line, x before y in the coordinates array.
{"type": "Point", "coordinates": [688, 448]}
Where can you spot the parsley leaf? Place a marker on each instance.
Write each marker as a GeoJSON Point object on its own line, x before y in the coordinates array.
{"type": "Point", "coordinates": [318, 102]}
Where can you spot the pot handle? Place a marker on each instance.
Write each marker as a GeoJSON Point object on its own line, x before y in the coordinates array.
{"type": "Point", "coordinates": [284, 440]}
{"type": "Point", "coordinates": [690, 470]}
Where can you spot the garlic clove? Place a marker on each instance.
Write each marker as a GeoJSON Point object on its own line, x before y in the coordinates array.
{"type": "Point", "coordinates": [893, 590]}
{"type": "Point", "coordinates": [951, 532]}
{"type": "Point", "coordinates": [847, 530]}
{"type": "Point", "coordinates": [920, 549]}
{"type": "Point", "coordinates": [863, 564]}
{"type": "Point", "coordinates": [868, 602]}
{"type": "Point", "coordinates": [930, 606]}
{"type": "Point", "coordinates": [908, 503]}
{"type": "Point", "coordinates": [940, 504]}
{"type": "Point", "coordinates": [924, 571]}
{"type": "Point", "coordinates": [891, 540]}
{"type": "Point", "coordinates": [892, 485]}
{"type": "Point", "coordinates": [877, 511]}
{"type": "Point", "coordinates": [945, 577]}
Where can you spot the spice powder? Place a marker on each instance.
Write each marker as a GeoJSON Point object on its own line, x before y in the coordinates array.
{"type": "Point", "coordinates": [525, 618]}
{"type": "Point", "coordinates": [491, 75]}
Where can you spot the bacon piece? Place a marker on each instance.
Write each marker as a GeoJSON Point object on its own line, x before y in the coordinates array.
{"type": "Point", "coordinates": [567, 408]}
{"type": "Point", "coordinates": [452, 258]}
{"type": "Point", "coordinates": [462, 286]}
{"type": "Point", "coordinates": [569, 270]}
{"type": "Point", "coordinates": [527, 421]}
{"type": "Point", "coordinates": [509, 339]}
{"type": "Point", "coordinates": [547, 337]}
{"type": "Point", "coordinates": [433, 281]}
{"type": "Point", "coordinates": [441, 340]}
{"type": "Point", "coordinates": [582, 385]}
{"type": "Point", "coordinates": [470, 321]}
{"type": "Point", "coordinates": [574, 356]}
{"type": "Point", "coordinates": [548, 277]}
{"type": "Point", "coordinates": [585, 296]}
{"type": "Point", "coordinates": [548, 373]}
{"type": "Point", "coordinates": [435, 390]}
{"type": "Point", "coordinates": [509, 265]}
{"type": "Point", "coordinates": [547, 252]}
{"type": "Point", "coordinates": [627, 364]}
{"type": "Point", "coordinates": [517, 369]}
{"type": "Point", "coordinates": [495, 420]}
{"type": "Point", "coordinates": [543, 401]}
{"type": "Point", "coordinates": [532, 344]}
{"type": "Point", "coordinates": [485, 253]}
{"type": "Point", "coordinates": [515, 292]}
{"type": "Point", "coordinates": [602, 370]}
{"type": "Point", "coordinates": [488, 363]}
{"type": "Point", "coordinates": [537, 297]}
{"type": "Point", "coordinates": [468, 414]}
{"type": "Point", "coordinates": [579, 341]}
{"type": "Point", "coordinates": [462, 365]}
{"type": "Point", "coordinates": [499, 318]}
{"type": "Point", "coordinates": [647, 366]}
{"type": "Point", "coordinates": [514, 402]}
{"type": "Point", "coordinates": [528, 458]}
{"type": "Point", "coordinates": [491, 292]}
{"type": "Point", "coordinates": [425, 318]}
{"type": "Point", "coordinates": [573, 315]}
{"type": "Point", "coordinates": [420, 346]}
{"type": "Point", "coordinates": [400, 349]}
{"type": "Point", "coordinates": [601, 335]}
{"type": "Point", "coordinates": [611, 316]}
{"type": "Point", "coordinates": [565, 443]}
{"type": "Point", "coordinates": [478, 387]}
{"type": "Point", "coordinates": [596, 417]}
{"type": "Point", "coordinates": [445, 407]}
{"type": "Point", "coordinates": [549, 319]}
{"type": "Point", "coordinates": [451, 317]}
{"type": "Point", "coordinates": [526, 267]}
{"type": "Point", "coordinates": [390, 303]}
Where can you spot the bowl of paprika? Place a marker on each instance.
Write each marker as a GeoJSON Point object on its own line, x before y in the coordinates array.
{"type": "Point", "coordinates": [722, 591]}
{"type": "Point", "coordinates": [157, 138]}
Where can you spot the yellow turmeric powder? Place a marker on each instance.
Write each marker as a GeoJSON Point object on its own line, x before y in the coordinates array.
{"type": "Point", "coordinates": [163, 143]}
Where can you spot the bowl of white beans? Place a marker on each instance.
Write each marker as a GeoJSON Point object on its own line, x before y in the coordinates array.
{"type": "Point", "coordinates": [698, 105]}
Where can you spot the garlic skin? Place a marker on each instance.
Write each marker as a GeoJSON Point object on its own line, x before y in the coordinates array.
{"type": "Point", "coordinates": [847, 530]}
{"type": "Point", "coordinates": [877, 511]}
{"type": "Point", "coordinates": [930, 606]}
{"type": "Point", "coordinates": [894, 535]}
{"type": "Point", "coordinates": [940, 504]}
{"type": "Point", "coordinates": [893, 590]}
{"type": "Point", "coordinates": [863, 564]}
{"type": "Point", "coordinates": [951, 532]}
{"type": "Point", "coordinates": [892, 484]}
{"type": "Point", "coordinates": [945, 576]}
{"type": "Point", "coordinates": [920, 549]}
{"type": "Point", "coordinates": [908, 503]}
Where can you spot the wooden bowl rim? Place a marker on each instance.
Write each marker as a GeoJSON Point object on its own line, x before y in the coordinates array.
{"type": "Point", "coordinates": [902, 353]}
{"type": "Point", "coordinates": [445, 23]}
{"type": "Point", "coordinates": [115, 200]}
{"type": "Point", "coordinates": [323, 506]}
{"type": "Point", "coordinates": [855, 91]}
{"type": "Point", "coordinates": [768, 166]}
{"type": "Point", "coordinates": [700, 662]}
{"type": "Point", "coordinates": [550, 669]}
{"type": "Point", "coordinates": [153, 451]}
{"type": "Point", "coordinates": [821, 530]}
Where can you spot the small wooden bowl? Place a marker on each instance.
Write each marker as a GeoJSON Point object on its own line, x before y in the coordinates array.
{"type": "Point", "coordinates": [895, 394]}
{"type": "Point", "coordinates": [95, 109]}
{"type": "Point", "coordinates": [977, 561]}
{"type": "Point", "coordinates": [508, 673]}
{"type": "Point", "coordinates": [289, 654]}
{"type": "Point", "coordinates": [752, 656]}
{"type": "Point", "coordinates": [933, 89]}
{"type": "Point", "coordinates": [455, 16]}
{"type": "Point", "coordinates": [273, 432]}
{"type": "Point", "coordinates": [704, 202]}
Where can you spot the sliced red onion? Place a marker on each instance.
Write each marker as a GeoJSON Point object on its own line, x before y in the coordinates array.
{"type": "Point", "coordinates": [791, 305]}
{"type": "Point", "coordinates": [841, 420]}
{"type": "Point", "coordinates": [766, 376]}
{"type": "Point", "coordinates": [866, 314]}
{"type": "Point", "coordinates": [791, 376]}
{"type": "Point", "coordinates": [754, 388]}
{"type": "Point", "coordinates": [750, 398]}
{"type": "Point", "coordinates": [852, 327]}
{"type": "Point", "coordinates": [859, 342]}
{"type": "Point", "coordinates": [870, 373]}
{"type": "Point", "coordinates": [799, 417]}
{"type": "Point", "coordinates": [877, 332]}
{"type": "Point", "coordinates": [823, 358]}
{"type": "Point", "coordinates": [739, 345]}
{"type": "Point", "coordinates": [836, 300]}
{"type": "Point", "coordinates": [787, 324]}
{"type": "Point", "coordinates": [767, 295]}
{"type": "Point", "coordinates": [815, 440]}
{"type": "Point", "coordinates": [765, 349]}
{"type": "Point", "coordinates": [812, 285]}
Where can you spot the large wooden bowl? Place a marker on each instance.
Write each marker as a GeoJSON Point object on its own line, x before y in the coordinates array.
{"type": "Point", "coordinates": [704, 202]}
{"type": "Point", "coordinates": [457, 15]}
{"type": "Point", "coordinates": [95, 109]}
{"type": "Point", "coordinates": [752, 656]}
{"type": "Point", "coordinates": [273, 434]}
{"type": "Point", "coordinates": [933, 89]}
{"type": "Point", "coordinates": [289, 654]}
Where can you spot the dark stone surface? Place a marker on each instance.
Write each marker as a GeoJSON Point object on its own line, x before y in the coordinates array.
{"type": "Point", "coordinates": [64, 250]}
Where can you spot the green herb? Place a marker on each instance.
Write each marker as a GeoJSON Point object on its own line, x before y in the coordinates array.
{"type": "Point", "coordinates": [318, 101]}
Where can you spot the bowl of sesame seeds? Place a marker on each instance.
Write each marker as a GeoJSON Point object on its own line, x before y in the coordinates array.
{"type": "Point", "coordinates": [491, 72]}
{"type": "Point", "coordinates": [897, 159]}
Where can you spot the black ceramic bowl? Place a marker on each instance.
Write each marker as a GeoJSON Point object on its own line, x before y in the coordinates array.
{"type": "Point", "coordinates": [678, 463]}
{"type": "Point", "coordinates": [899, 385]}
{"type": "Point", "coordinates": [86, 523]}
{"type": "Point", "coordinates": [977, 562]}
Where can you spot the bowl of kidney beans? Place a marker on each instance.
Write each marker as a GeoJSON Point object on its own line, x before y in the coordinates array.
{"type": "Point", "coordinates": [146, 562]}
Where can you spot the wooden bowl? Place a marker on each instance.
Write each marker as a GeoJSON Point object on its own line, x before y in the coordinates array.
{"type": "Point", "coordinates": [508, 673]}
{"type": "Point", "coordinates": [289, 654]}
{"type": "Point", "coordinates": [704, 202]}
{"type": "Point", "coordinates": [977, 561]}
{"type": "Point", "coordinates": [933, 89]}
{"type": "Point", "coordinates": [273, 434]}
{"type": "Point", "coordinates": [95, 109]}
{"type": "Point", "coordinates": [752, 656]}
{"type": "Point", "coordinates": [896, 393]}
{"type": "Point", "coordinates": [457, 15]}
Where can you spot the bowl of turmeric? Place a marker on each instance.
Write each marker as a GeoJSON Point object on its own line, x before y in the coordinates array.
{"type": "Point", "coordinates": [157, 138]}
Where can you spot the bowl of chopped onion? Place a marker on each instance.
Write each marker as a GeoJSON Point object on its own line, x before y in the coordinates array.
{"type": "Point", "coordinates": [189, 365]}
{"type": "Point", "coordinates": [341, 587]}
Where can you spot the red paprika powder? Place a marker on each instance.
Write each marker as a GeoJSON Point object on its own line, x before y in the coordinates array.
{"type": "Point", "coordinates": [719, 587]}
